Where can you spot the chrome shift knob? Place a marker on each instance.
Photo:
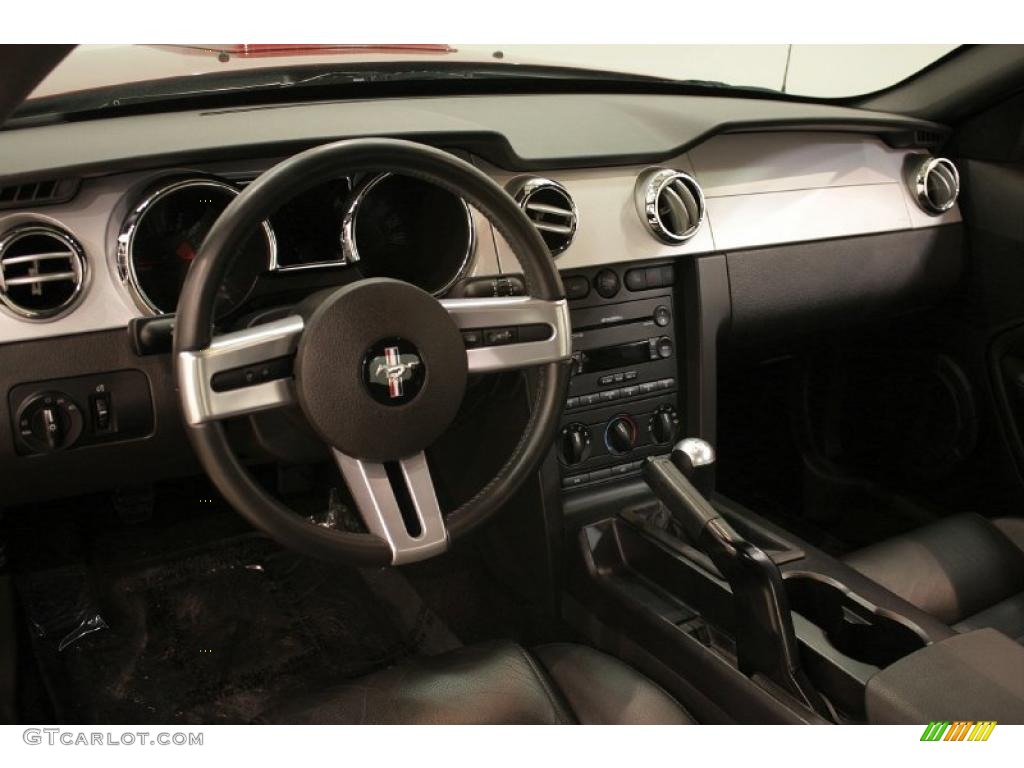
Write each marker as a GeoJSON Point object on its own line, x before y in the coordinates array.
{"type": "Point", "coordinates": [695, 458]}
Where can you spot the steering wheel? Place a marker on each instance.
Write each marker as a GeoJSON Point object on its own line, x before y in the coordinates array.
{"type": "Point", "coordinates": [377, 367]}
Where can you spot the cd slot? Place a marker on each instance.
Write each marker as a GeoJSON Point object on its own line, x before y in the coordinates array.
{"type": "Point", "coordinates": [611, 315]}
{"type": "Point", "coordinates": [615, 335]}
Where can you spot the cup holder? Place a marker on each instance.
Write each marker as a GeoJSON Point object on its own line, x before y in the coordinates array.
{"type": "Point", "coordinates": [852, 625]}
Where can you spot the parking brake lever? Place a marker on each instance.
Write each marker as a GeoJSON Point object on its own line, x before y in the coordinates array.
{"type": "Point", "coordinates": [765, 640]}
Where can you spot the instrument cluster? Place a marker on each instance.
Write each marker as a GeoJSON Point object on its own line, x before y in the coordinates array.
{"type": "Point", "coordinates": [382, 225]}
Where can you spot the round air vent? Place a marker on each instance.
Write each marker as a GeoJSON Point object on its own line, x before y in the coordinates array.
{"type": "Point", "coordinates": [935, 183]}
{"type": "Point", "coordinates": [42, 271]}
{"type": "Point", "coordinates": [670, 203]}
{"type": "Point", "coordinates": [550, 207]}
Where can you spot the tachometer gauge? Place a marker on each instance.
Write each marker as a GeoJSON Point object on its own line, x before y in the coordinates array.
{"type": "Point", "coordinates": [409, 229]}
{"type": "Point", "coordinates": [162, 236]}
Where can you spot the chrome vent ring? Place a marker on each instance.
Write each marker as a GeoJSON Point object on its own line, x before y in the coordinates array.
{"type": "Point", "coordinates": [549, 207]}
{"type": "Point", "coordinates": [935, 184]}
{"type": "Point", "coordinates": [670, 204]}
{"type": "Point", "coordinates": [42, 271]}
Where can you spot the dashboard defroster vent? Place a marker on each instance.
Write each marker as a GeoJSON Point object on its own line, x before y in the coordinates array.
{"type": "Point", "coordinates": [42, 271]}
{"type": "Point", "coordinates": [551, 209]}
{"type": "Point", "coordinates": [935, 184]}
{"type": "Point", "coordinates": [37, 193]}
{"type": "Point", "coordinates": [670, 204]}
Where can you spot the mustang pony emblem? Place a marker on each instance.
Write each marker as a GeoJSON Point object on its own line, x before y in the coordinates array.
{"type": "Point", "coordinates": [394, 370]}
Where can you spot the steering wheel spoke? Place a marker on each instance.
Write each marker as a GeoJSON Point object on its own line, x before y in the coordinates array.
{"type": "Point", "coordinates": [241, 372]}
{"type": "Point", "coordinates": [420, 532]}
{"type": "Point", "coordinates": [508, 333]}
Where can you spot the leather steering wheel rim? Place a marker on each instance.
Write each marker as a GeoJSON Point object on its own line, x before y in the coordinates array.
{"type": "Point", "coordinates": [194, 335]}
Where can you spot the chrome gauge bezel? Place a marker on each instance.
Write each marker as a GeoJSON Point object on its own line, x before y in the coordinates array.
{"type": "Point", "coordinates": [126, 239]}
{"type": "Point", "coordinates": [341, 261]}
{"type": "Point", "coordinates": [350, 251]}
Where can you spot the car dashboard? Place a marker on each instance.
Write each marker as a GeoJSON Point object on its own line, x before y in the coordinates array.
{"type": "Point", "coordinates": [678, 224]}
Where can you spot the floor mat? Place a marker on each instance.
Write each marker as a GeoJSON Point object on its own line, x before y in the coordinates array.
{"type": "Point", "coordinates": [210, 635]}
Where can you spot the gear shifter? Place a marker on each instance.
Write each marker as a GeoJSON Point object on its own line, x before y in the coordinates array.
{"type": "Point", "coordinates": [765, 640]}
{"type": "Point", "coordinates": [695, 458]}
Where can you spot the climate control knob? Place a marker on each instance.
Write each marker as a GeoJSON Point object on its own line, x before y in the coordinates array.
{"type": "Point", "coordinates": [620, 435]}
{"type": "Point", "coordinates": [574, 445]}
{"type": "Point", "coordinates": [664, 424]}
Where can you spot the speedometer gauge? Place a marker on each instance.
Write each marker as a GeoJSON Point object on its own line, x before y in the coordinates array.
{"type": "Point", "coordinates": [162, 236]}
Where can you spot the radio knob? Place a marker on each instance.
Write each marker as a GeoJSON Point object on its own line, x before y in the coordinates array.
{"type": "Point", "coordinates": [575, 443]}
{"type": "Point", "coordinates": [620, 434]}
{"type": "Point", "coordinates": [665, 347]}
{"type": "Point", "coordinates": [664, 424]}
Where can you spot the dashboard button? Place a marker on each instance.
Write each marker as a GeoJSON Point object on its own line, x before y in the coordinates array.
{"type": "Point", "coordinates": [606, 283]}
{"type": "Point", "coordinates": [662, 315]}
{"type": "Point", "coordinates": [101, 412]}
{"type": "Point", "coordinates": [600, 474]}
{"type": "Point", "coordinates": [636, 279]}
{"type": "Point", "coordinates": [576, 287]}
{"type": "Point", "coordinates": [572, 402]}
{"type": "Point", "coordinates": [472, 338]}
{"type": "Point", "coordinates": [653, 277]}
{"type": "Point", "coordinates": [496, 337]}
{"type": "Point", "coordinates": [632, 391]}
{"type": "Point", "coordinates": [574, 480]}
{"type": "Point", "coordinates": [630, 375]}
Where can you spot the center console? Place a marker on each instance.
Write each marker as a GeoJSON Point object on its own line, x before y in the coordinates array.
{"type": "Point", "coordinates": [623, 402]}
{"type": "Point", "coordinates": [778, 630]}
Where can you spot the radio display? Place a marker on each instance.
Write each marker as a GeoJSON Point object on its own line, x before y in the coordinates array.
{"type": "Point", "coordinates": [605, 358]}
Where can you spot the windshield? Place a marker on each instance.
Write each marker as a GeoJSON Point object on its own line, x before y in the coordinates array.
{"type": "Point", "coordinates": [818, 71]}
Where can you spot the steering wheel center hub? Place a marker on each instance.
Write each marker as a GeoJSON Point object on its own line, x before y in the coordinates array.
{"type": "Point", "coordinates": [380, 370]}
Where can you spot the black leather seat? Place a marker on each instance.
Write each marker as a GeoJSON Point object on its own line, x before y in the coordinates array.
{"type": "Point", "coordinates": [495, 683]}
{"type": "Point", "coordinates": [965, 570]}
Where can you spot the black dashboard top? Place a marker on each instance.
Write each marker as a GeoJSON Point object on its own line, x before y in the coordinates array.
{"type": "Point", "coordinates": [517, 132]}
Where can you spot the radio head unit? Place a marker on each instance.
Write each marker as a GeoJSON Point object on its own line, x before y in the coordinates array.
{"type": "Point", "coordinates": [623, 396]}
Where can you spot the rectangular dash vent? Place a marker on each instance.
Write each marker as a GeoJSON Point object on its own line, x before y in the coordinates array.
{"type": "Point", "coordinates": [37, 193]}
